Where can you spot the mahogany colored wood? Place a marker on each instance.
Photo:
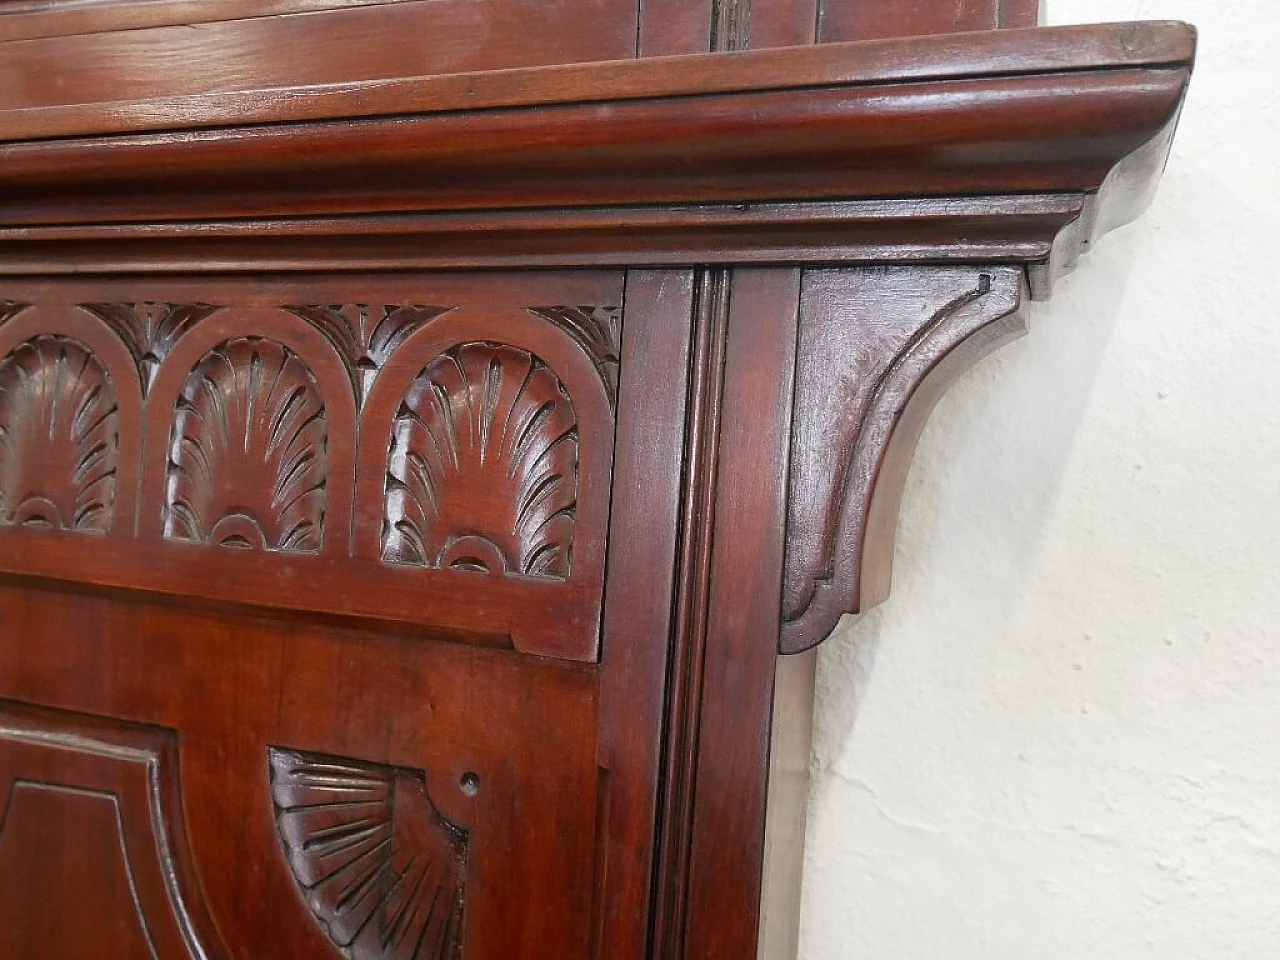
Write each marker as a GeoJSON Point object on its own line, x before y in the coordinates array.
{"type": "Point", "coordinates": [859, 412]}
{"type": "Point", "coordinates": [33, 19]}
{"type": "Point", "coordinates": [356, 42]}
{"type": "Point", "coordinates": [425, 426]}
{"type": "Point", "coordinates": [859, 20]}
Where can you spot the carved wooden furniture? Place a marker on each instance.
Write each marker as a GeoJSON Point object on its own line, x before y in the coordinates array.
{"type": "Point", "coordinates": [411, 470]}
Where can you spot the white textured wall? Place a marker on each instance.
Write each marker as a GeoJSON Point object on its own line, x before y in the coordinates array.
{"type": "Point", "coordinates": [1060, 737]}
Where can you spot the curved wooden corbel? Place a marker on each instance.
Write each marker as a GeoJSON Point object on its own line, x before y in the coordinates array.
{"type": "Point", "coordinates": [878, 346]}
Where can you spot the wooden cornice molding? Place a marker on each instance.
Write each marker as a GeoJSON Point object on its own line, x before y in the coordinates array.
{"type": "Point", "coordinates": [945, 176]}
{"type": "Point", "coordinates": [982, 147]}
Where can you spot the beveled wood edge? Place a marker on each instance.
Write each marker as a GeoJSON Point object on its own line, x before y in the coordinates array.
{"type": "Point", "coordinates": [787, 812]}
{"type": "Point", "coordinates": [1001, 53]}
{"type": "Point", "coordinates": [297, 587]}
{"type": "Point", "coordinates": [1016, 229]}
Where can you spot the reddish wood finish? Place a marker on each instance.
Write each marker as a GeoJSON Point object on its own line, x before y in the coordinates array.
{"type": "Point", "coordinates": [859, 412]}
{"type": "Point", "coordinates": [470, 494]}
{"type": "Point", "coordinates": [32, 19]}
{"type": "Point", "coordinates": [411, 469]}
{"type": "Point", "coordinates": [358, 42]}
{"type": "Point", "coordinates": [744, 553]}
{"type": "Point", "coordinates": [862, 20]}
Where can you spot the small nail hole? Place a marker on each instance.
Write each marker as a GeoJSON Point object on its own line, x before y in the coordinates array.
{"type": "Point", "coordinates": [470, 784]}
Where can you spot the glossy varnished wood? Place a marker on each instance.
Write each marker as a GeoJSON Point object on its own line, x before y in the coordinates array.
{"type": "Point", "coordinates": [217, 503]}
{"type": "Point", "coordinates": [249, 685]}
{"type": "Point", "coordinates": [352, 42]}
{"type": "Point", "coordinates": [424, 425]}
{"type": "Point", "coordinates": [852, 20]}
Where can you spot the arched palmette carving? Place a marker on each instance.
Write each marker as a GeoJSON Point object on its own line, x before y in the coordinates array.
{"type": "Point", "coordinates": [381, 869]}
{"type": "Point", "coordinates": [150, 329]}
{"type": "Point", "coordinates": [483, 467]}
{"type": "Point", "coordinates": [59, 437]}
{"type": "Point", "coordinates": [366, 334]}
{"type": "Point", "coordinates": [598, 331]}
{"type": "Point", "coordinates": [248, 452]}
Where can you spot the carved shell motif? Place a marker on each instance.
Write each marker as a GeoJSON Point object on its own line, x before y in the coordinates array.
{"type": "Point", "coordinates": [380, 868]}
{"type": "Point", "coordinates": [483, 468]}
{"type": "Point", "coordinates": [59, 437]}
{"type": "Point", "coordinates": [248, 455]}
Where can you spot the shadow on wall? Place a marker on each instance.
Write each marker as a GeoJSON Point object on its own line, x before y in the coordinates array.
{"type": "Point", "coordinates": [981, 489]}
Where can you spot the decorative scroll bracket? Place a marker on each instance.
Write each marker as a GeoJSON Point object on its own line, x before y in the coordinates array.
{"type": "Point", "coordinates": [877, 348]}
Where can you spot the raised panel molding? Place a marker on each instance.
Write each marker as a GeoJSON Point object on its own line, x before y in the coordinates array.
{"type": "Point", "coordinates": [809, 242]}
{"type": "Point", "coordinates": [248, 455]}
{"type": "Point", "coordinates": [381, 869]}
{"type": "Point", "coordinates": [482, 472]}
{"type": "Point", "coordinates": [877, 348]}
{"type": "Point", "coordinates": [107, 790]}
{"type": "Point", "coordinates": [59, 437]}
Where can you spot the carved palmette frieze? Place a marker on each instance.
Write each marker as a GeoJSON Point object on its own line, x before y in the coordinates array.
{"type": "Point", "coordinates": [150, 329]}
{"type": "Point", "coordinates": [598, 330]}
{"type": "Point", "coordinates": [248, 454]}
{"type": "Point", "coordinates": [366, 335]}
{"type": "Point", "coordinates": [359, 441]}
{"type": "Point", "coordinates": [380, 868]}
{"type": "Point", "coordinates": [482, 472]}
{"type": "Point", "coordinates": [59, 437]}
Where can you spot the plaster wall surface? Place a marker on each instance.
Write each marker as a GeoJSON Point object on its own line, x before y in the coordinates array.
{"type": "Point", "coordinates": [1059, 738]}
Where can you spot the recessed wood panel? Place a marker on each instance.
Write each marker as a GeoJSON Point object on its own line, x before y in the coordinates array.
{"type": "Point", "coordinates": [472, 755]}
{"type": "Point", "coordinates": [94, 859]}
{"type": "Point", "coordinates": [48, 827]}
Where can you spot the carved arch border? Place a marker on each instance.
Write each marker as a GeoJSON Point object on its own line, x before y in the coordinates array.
{"type": "Point", "coordinates": [564, 356]}
{"type": "Point", "coordinates": [50, 320]}
{"type": "Point", "coordinates": [333, 383]}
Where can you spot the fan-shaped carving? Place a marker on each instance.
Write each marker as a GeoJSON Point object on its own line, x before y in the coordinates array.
{"type": "Point", "coordinates": [381, 869]}
{"type": "Point", "coordinates": [248, 455]}
{"type": "Point", "coordinates": [150, 330]}
{"type": "Point", "coordinates": [366, 335]}
{"type": "Point", "coordinates": [598, 330]}
{"type": "Point", "coordinates": [483, 469]}
{"type": "Point", "coordinates": [59, 437]}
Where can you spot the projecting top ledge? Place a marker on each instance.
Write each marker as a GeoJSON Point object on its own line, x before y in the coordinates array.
{"type": "Point", "coordinates": [999, 146]}
{"type": "Point", "coordinates": [968, 56]}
